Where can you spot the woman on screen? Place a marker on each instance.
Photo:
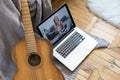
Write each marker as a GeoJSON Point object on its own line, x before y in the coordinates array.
{"type": "Point", "coordinates": [58, 25]}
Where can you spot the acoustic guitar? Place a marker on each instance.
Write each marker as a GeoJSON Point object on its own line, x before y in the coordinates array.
{"type": "Point", "coordinates": [33, 57]}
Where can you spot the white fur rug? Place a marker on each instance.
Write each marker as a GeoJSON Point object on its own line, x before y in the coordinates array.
{"type": "Point", "coordinates": [109, 10]}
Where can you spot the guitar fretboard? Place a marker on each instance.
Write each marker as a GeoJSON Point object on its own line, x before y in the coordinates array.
{"type": "Point", "coordinates": [28, 29]}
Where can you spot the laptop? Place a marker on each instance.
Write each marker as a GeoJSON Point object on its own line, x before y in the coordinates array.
{"type": "Point", "coordinates": [71, 44]}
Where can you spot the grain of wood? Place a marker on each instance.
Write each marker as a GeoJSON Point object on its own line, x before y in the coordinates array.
{"type": "Point", "coordinates": [99, 59]}
{"type": "Point", "coordinates": [91, 24]}
{"type": "Point", "coordinates": [95, 75]}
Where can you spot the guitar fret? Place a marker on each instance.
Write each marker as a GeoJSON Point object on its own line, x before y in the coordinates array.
{"type": "Point", "coordinates": [27, 23]}
{"type": "Point", "coordinates": [31, 50]}
{"type": "Point", "coordinates": [29, 33]}
{"type": "Point", "coordinates": [23, 3]}
{"type": "Point", "coordinates": [26, 16]}
{"type": "Point", "coordinates": [29, 26]}
{"type": "Point", "coordinates": [26, 19]}
{"type": "Point", "coordinates": [25, 8]}
{"type": "Point", "coordinates": [31, 46]}
{"type": "Point", "coordinates": [29, 39]}
{"type": "Point", "coordinates": [25, 13]}
{"type": "Point", "coordinates": [30, 36]}
{"type": "Point", "coordinates": [27, 29]}
{"type": "Point", "coordinates": [32, 42]}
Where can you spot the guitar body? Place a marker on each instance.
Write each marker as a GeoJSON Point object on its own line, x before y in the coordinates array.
{"type": "Point", "coordinates": [33, 57]}
{"type": "Point", "coordinates": [28, 69]}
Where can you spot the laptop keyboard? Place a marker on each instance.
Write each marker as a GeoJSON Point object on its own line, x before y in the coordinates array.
{"type": "Point", "coordinates": [70, 44]}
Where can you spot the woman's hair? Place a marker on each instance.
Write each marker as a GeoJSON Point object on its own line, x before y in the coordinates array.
{"type": "Point", "coordinates": [54, 19]}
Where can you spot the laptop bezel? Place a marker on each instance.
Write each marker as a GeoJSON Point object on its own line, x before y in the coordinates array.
{"type": "Point", "coordinates": [65, 5]}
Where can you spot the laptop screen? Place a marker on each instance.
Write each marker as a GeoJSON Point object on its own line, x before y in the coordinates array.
{"type": "Point", "coordinates": [57, 26]}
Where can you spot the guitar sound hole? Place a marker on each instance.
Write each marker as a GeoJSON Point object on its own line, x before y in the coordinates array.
{"type": "Point", "coordinates": [34, 59]}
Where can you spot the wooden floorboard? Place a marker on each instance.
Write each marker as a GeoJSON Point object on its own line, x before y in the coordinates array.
{"type": "Point", "coordinates": [106, 60]}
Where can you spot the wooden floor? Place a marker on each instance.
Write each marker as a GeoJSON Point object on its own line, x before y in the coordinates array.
{"type": "Point", "coordinates": [105, 60]}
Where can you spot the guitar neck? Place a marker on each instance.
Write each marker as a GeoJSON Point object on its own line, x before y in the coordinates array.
{"type": "Point", "coordinates": [28, 28]}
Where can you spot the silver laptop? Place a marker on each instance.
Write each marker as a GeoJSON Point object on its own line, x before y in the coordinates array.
{"type": "Point", "coordinates": [71, 44]}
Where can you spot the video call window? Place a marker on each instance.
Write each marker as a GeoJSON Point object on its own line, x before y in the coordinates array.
{"type": "Point", "coordinates": [56, 26]}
